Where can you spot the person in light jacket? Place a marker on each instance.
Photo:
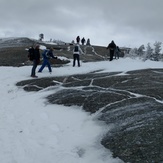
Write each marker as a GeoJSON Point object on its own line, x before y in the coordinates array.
{"type": "Point", "coordinates": [76, 54]}
{"type": "Point", "coordinates": [116, 53]}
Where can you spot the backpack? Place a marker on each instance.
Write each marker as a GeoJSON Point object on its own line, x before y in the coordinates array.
{"type": "Point", "coordinates": [31, 54]}
{"type": "Point", "coordinates": [76, 48]}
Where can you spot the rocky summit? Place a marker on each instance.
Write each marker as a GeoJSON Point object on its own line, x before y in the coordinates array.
{"type": "Point", "coordinates": [131, 105]}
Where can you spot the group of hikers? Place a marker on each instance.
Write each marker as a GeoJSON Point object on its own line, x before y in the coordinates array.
{"type": "Point", "coordinates": [34, 56]}
{"type": "Point", "coordinates": [114, 50]}
{"type": "Point", "coordinates": [83, 41]}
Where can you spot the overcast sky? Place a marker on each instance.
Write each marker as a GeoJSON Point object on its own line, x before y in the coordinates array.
{"type": "Point", "coordinates": [128, 22]}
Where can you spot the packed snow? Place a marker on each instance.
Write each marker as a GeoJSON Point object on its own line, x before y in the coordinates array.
{"type": "Point", "coordinates": [33, 131]}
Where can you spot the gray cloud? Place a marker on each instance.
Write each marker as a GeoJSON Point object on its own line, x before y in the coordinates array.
{"type": "Point", "coordinates": [129, 23]}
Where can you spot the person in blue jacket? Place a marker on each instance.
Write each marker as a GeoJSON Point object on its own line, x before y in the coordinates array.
{"type": "Point", "coordinates": [47, 54]}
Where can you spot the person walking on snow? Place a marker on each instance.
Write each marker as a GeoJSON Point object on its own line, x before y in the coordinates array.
{"type": "Point", "coordinates": [111, 47]}
{"type": "Point", "coordinates": [117, 51]}
{"type": "Point", "coordinates": [78, 39]}
{"type": "Point", "coordinates": [83, 41]}
{"type": "Point", "coordinates": [88, 42]}
{"type": "Point", "coordinates": [76, 54]}
{"type": "Point", "coordinates": [47, 54]}
{"type": "Point", "coordinates": [36, 60]}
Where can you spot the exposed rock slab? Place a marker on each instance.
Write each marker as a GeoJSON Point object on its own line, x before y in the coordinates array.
{"type": "Point", "coordinates": [131, 105]}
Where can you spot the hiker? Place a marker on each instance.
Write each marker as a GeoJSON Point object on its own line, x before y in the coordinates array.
{"type": "Point", "coordinates": [117, 51]}
{"type": "Point", "coordinates": [47, 54]}
{"type": "Point", "coordinates": [36, 61]}
{"type": "Point", "coordinates": [78, 39]}
{"type": "Point", "coordinates": [111, 47]}
{"type": "Point", "coordinates": [83, 41]}
{"type": "Point", "coordinates": [76, 54]}
{"type": "Point", "coordinates": [88, 42]}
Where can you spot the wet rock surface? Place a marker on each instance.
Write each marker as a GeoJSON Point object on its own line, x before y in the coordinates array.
{"type": "Point", "coordinates": [130, 104]}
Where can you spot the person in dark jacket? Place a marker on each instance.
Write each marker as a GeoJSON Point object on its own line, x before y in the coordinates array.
{"type": "Point", "coordinates": [88, 42]}
{"type": "Point", "coordinates": [47, 54]}
{"type": "Point", "coordinates": [36, 61]}
{"type": "Point", "coordinates": [111, 47]}
{"type": "Point", "coordinates": [78, 39]}
{"type": "Point", "coordinates": [83, 41]}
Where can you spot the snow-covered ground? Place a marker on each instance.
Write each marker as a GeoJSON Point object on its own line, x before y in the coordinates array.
{"type": "Point", "coordinates": [32, 131]}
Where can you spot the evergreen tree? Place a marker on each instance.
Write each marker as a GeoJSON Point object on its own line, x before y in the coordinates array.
{"type": "Point", "coordinates": [133, 53]}
{"type": "Point", "coordinates": [157, 50]}
{"type": "Point", "coordinates": [149, 52]}
{"type": "Point", "coordinates": [140, 50]}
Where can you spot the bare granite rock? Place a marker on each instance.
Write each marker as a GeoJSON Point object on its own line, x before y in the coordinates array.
{"type": "Point", "coordinates": [131, 105]}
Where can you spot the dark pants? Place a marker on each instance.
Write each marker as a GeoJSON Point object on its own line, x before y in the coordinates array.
{"type": "Point", "coordinates": [45, 62]}
{"type": "Point", "coordinates": [33, 72]}
{"type": "Point", "coordinates": [111, 54]}
{"type": "Point", "coordinates": [76, 57]}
